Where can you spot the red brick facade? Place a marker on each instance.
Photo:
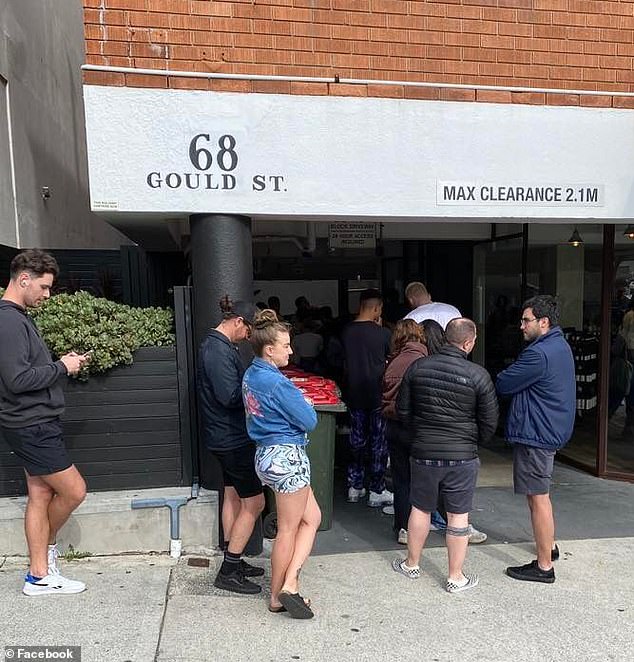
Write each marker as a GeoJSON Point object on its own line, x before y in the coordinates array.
{"type": "Point", "coordinates": [562, 44]}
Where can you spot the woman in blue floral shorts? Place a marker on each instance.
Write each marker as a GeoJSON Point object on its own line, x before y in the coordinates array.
{"type": "Point", "coordinates": [278, 420]}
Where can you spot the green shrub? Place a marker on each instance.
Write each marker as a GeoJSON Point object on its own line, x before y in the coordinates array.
{"type": "Point", "coordinates": [80, 322]}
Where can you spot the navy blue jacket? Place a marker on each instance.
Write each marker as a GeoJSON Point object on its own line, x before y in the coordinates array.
{"type": "Point", "coordinates": [220, 372]}
{"type": "Point", "coordinates": [542, 383]}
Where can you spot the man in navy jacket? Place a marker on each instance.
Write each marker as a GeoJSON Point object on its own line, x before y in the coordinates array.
{"type": "Point", "coordinates": [224, 433]}
{"type": "Point", "coordinates": [540, 421]}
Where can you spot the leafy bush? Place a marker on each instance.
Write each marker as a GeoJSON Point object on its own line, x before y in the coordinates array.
{"type": "Point", "coordinates": [80, 322]}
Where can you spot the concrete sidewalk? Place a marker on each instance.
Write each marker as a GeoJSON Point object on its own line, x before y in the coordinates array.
{"type": "Point", "coordinates": [145, 608]}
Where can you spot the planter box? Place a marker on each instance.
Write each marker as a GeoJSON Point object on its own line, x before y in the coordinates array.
{"type": "Point", "coordinates": [122, 429]}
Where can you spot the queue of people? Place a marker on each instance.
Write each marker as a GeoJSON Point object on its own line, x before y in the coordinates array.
{"type": "Point", "coordinates": [413, 396]}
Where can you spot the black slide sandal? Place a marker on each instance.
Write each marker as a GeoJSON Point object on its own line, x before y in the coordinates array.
{"type": "Point", "coordinates": [295, 605]}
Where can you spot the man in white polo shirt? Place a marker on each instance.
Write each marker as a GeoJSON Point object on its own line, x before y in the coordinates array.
{"type": "Point", "coordinates": [423, 308]}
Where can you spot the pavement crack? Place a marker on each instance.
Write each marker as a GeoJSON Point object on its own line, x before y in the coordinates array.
{"type": "Point", "coordinates": [167, 596]}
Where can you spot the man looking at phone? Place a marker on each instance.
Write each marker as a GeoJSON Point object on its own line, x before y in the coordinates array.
{"type": "Point", "coordinates": [31, 403]}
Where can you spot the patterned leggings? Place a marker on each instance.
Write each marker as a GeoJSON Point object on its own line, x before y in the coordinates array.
{"type": "Point", "coordinates": [367, 433]}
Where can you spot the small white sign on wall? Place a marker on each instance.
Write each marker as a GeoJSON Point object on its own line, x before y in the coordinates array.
{"type": "Point", "coordinates": [352, 235]}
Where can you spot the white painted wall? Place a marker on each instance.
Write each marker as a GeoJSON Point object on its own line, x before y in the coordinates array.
{"type": "Point", "coordinates": [338, 157]}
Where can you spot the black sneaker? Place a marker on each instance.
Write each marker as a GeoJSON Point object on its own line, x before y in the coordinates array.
{"type": "Point", "coordinates": [531, 572]}
{"type": "Point", "coordinates": [554, 554]}
{"type": "Point", "coordinates": [249, 570]}
{"type": "Point", "coordinates": [236, 582]}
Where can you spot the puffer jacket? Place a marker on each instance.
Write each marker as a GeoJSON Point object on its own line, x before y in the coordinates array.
{"type": "Point", "coordinates": [393, 376]}
{"type": "Point", "coordinates": [449, 406]}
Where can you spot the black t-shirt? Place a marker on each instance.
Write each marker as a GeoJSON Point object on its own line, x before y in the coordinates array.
{"type": "Point", "coordinates": [366, 346]}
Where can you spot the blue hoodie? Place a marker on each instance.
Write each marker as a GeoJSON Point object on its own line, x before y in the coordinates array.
{"type": "Point", "coordinates": [542, 383]}
{"type": "Point", "coordinates": [276, 410]}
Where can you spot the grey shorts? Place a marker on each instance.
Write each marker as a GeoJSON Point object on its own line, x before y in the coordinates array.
{"type": "Point", "coordinates": [455, 485]}
{"type": "Point", "coordinates": [532, 469]}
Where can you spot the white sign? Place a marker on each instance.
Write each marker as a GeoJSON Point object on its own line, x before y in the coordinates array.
{"type": "Point", "coordinates": [531, 195]}
{"type": "Point", "coordinates": [352, 235]}
{"type": "Point", "coordinates": [176, 152]}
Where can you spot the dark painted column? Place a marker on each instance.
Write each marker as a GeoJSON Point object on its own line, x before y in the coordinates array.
{"type": "Point", "coordinates": [222, 263]}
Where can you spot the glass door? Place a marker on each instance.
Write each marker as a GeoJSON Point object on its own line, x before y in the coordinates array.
{"type": "Point", "coordinates": [497, 297]}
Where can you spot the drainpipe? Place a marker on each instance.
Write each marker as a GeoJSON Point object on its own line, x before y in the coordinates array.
{"type": "Point", "coordinates": [174, 504]}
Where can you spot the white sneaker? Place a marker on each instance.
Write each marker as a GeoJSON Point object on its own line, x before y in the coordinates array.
{"type": "Point", "coordinates": [52, 584]}
{"type": "Point", "coordinates": [388, 510]}
{"type": "Point", "coordinates": [402, 537]}
{"type": "Point", "coordinates": [377, 499]}
{"type": "Point", "coordinates": [475, 536]}
{"type": "Point", "coordinates": [354, 494]}
{"type": "Point", "coordinates": [53, 553]}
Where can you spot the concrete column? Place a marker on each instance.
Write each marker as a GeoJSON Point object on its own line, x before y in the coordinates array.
{"type": "Point", "coordinates": [221, 264]}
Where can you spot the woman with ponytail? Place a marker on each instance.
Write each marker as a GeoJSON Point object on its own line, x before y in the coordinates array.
{"type": "Point", "coordinates": [278, 420]}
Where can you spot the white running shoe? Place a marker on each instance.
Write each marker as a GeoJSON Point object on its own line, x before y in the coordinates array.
{"type": "Point", "coordinates": [53, 553]}
{"type": "Point", "coordinates": [52, 584]}
{"type": "Point", "coordinates": [354, 494]}
{"type": "Point", "coordinates": [377, 499]}
{"type": "Point", "coordinates": [402, 537]}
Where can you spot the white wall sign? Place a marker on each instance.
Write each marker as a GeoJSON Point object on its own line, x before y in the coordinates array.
{"type": "Point", "coordinates": [177, 152]}
{"type": "Point", "coordinates": [352, 235]}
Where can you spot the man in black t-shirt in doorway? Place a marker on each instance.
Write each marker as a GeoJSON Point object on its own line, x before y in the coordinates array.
{"type": "Point", "coordinates": [366, 346]}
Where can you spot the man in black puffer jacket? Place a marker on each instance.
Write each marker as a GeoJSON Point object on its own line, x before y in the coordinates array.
{"type": "Point", "coordinates": [449, 406]}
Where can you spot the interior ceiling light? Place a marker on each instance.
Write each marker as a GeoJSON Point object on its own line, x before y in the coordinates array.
{"type": "Point", "coordinates": [575, 238]}
{"type": "Point", "coordinates": [629, 232]}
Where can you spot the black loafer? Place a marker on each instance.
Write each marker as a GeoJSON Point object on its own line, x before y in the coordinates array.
{"type": "Point", "coordinates": [554, 554]}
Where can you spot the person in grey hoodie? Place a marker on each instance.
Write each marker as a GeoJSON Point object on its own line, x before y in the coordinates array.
{"type": "Point", "coordinates": [31, 403]}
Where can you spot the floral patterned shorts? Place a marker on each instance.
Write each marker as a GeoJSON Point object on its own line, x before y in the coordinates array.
{"type": "Point", "coordinates": [285, 468]}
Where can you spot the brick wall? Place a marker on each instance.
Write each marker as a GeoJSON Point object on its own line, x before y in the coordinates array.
{"type": "Point", "coordinates": [569, 44]}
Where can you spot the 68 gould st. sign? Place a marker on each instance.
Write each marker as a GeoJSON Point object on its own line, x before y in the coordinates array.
{"type": "Point", "coordinates": [203, 155]}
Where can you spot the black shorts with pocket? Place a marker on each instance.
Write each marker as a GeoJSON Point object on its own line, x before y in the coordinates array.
{"type": "Point", "coordinates": [238, 470]}
{"type": "Point", "coordinates": [455, 485]}
{"type": "Point", "coordinates": [532, 469]}
{"type": "Point", "coordinates": [40, 447]}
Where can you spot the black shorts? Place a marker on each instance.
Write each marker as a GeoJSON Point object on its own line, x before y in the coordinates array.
{"type": "Point", "coordinates": [39, 447]}
{"type": "Point", "coordinates": [454, 485]}
{"type": "Point", "coordinates": [532, 469]}
{"type": "Point", "coordinates": [238, 470]}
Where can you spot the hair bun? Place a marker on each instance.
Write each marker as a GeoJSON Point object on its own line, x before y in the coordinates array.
{"type": "Point", "coordinates": [265, 318]}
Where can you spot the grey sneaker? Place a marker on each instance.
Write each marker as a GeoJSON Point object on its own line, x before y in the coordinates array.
{"type": "Point", "coordinates": [402, 537]}
{"type": "Point", "coordinates": [476, 537]}
{"type": "Point", "coordinates": [398, 565]}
